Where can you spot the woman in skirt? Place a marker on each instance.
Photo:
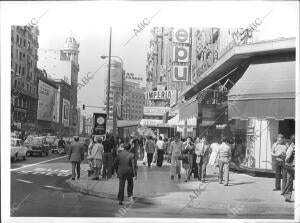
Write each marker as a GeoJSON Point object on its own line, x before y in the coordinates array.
{"type": "Point", "coordinates": [213, 159]}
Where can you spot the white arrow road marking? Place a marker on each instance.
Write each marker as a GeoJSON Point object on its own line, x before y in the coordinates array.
{"type": "Point", "coordinates": [56, 188]}
{"type": "Point", "coordinates": [25, 181]}
{"type": "Point", "coordinates": [34, 164]}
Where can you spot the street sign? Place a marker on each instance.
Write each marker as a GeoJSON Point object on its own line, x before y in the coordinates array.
{"type": "Point", "coordinates": [99, 123]}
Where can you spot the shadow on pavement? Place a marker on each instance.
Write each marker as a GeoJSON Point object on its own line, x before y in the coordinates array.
{"type": "Point", "coordinates": [240, 183]}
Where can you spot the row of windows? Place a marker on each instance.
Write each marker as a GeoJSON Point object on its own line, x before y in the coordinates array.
{"type": "Point", "coordinates": [29, 87]}
{"type": "Point", "coordinates": [23, 103]}
{"type": "Point", "coordinates": [20, 116]}
{"type": "Point", "coordinates": [21, 70]}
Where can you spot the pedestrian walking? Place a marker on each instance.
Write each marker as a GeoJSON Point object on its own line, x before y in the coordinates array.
{"type": "Point", "coordinates": [89, 156]}
{"type": "Point", "coordinates": [108, 157]}
{"type": "Point", "coordinates": [160, 152]}
{"type": "Point", "coordinates": [202, 151]}
{"type": "Point", "coordinates": [290, 168]}
{"type": "Point", "coordinates": [176, 149]}
{"type": "Point", "coordinates": [188, 149]}
{"type": "Point", "coordinates": [76, 156]}
{"type": "Point", "coordinates": [134, 150]}
{"type": "Point", "coordinates": [150, 149]}
{"type": "Point", "coordinates": [279, 149]}
{"type": "Point", "coordinates": [224, 153]}
{"type": "Point", "coordinates": [97, 156]}
{"type": "Point", "coordinates": [126, 171]}
{"type": "Point", "coordinates": [214, 157]}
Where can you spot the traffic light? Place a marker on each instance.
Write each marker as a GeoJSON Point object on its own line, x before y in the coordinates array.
{"type": "Point", "coordinates": [83, 107]}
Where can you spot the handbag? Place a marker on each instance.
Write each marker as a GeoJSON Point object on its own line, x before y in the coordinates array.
{"type": "Point", "coordinates": [183, 157]}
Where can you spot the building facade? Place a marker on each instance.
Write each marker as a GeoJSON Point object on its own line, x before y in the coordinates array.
{"type": "Point", "coordinates": [248, 95]}
{"type": "Point", "coordinates": [63, 64]}
{"type": "Point", "coordinates": [24, 57]}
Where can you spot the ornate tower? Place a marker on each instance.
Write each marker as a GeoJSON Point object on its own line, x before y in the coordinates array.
{"type": "Point", "coordinates": [70, 53]}
{"type": "Point", "coordinates": [71, 49]}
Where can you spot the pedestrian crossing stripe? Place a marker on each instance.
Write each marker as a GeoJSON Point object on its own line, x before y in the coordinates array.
{"type": "Point", "coordinates": [47, 172]}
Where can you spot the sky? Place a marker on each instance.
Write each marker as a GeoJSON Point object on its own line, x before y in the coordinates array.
{"type": "Point", "coordinates": [89, 23]}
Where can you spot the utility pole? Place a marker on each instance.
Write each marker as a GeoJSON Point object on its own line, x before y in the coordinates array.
{"type": "Point", "coordinates": [108, 76]}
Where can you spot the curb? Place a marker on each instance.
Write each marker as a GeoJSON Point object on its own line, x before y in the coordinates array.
{"type": "Point", "coordinates": [87, 191]}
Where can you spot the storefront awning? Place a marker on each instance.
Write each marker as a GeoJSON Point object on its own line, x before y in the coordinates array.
{"type": "Point", "coordinates": [264, 91]}
{"type": "Point", "coordinates": [189, 110]}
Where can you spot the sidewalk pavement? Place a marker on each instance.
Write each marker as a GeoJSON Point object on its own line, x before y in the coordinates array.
{"type": "Point", "coordinates": [245, 194]}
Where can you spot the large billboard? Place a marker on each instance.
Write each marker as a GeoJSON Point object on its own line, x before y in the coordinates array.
{"type": "Point", "coordinates": [99, 124]}
{"type": "Point", "coordinates": [66, 113]}
{"type": "Point", "coordinates": [47, 110]}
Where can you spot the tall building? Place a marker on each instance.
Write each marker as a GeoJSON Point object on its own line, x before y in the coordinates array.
{"type": "Point", "coordinates": [63, 64]}
{"type": "Point", "coordinates": [24, 57]}
{"type": "Point", "coordinates": [133, 95]}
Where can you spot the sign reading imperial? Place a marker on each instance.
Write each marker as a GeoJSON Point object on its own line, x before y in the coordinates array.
{"type": "Point", "coordinates": [167, 94]}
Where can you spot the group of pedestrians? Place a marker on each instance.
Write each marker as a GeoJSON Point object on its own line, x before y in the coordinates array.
{"type": "Point", "coordinates": [202, 153]}
{"type": "Point", "coordinates": [186, 156]}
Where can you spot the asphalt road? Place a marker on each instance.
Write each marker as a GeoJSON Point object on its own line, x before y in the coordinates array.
{"type": "Point", "coordinates": [39, 190]}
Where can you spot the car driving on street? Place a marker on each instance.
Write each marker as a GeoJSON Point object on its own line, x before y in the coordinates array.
{"type": "Point", "coordinates": [37, 145]}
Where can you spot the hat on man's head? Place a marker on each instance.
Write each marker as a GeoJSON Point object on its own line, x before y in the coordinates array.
{"type": "Point", "coordinates": [76, 137]}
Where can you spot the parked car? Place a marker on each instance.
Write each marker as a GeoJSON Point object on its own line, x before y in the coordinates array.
{"type": "Point", "coordinates": [50, 141]}
{"type": "Point", "coordinates": [38, 145]}
{"type": "Point", "coordinates": [17, 149]}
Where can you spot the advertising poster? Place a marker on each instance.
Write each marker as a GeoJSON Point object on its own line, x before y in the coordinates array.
{"type": "Point", "coordinates": [47, 102]}
{"type": "Point", "coordinates": [66, 112]}
{"type": "Point", "coordinates": [99, 124]}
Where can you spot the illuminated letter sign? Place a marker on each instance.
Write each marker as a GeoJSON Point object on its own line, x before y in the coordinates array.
{"type": "Point", "coordinates": [180, 73]}
{"type": "Point", "coordinates": [181, 35]}
{"type": "Point", "coordinates": [181, 54]}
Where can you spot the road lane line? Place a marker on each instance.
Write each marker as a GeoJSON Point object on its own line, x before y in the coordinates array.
{"type": "Point", "coordinates": [52, 187]}
{"type": "Point", "coordinates": [34, 164]}
{"type": "Point", "coordinates": [25, 181]}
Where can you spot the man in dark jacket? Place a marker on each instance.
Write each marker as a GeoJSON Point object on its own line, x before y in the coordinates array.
{"type": "Point", "coordinates": [126, 170]}
{"type": "Point", "coordinates": [108, 157]}
{"type": "Point", "coordinates": [76, 155]}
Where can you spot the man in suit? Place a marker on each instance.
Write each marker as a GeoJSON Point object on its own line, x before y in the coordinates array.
{"type": "Point", "coordinates": [126, 170]}
{"type": "Point", "coordinates": [76, 155]}
{"type": "Point", "coordinates": [150, 149]}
